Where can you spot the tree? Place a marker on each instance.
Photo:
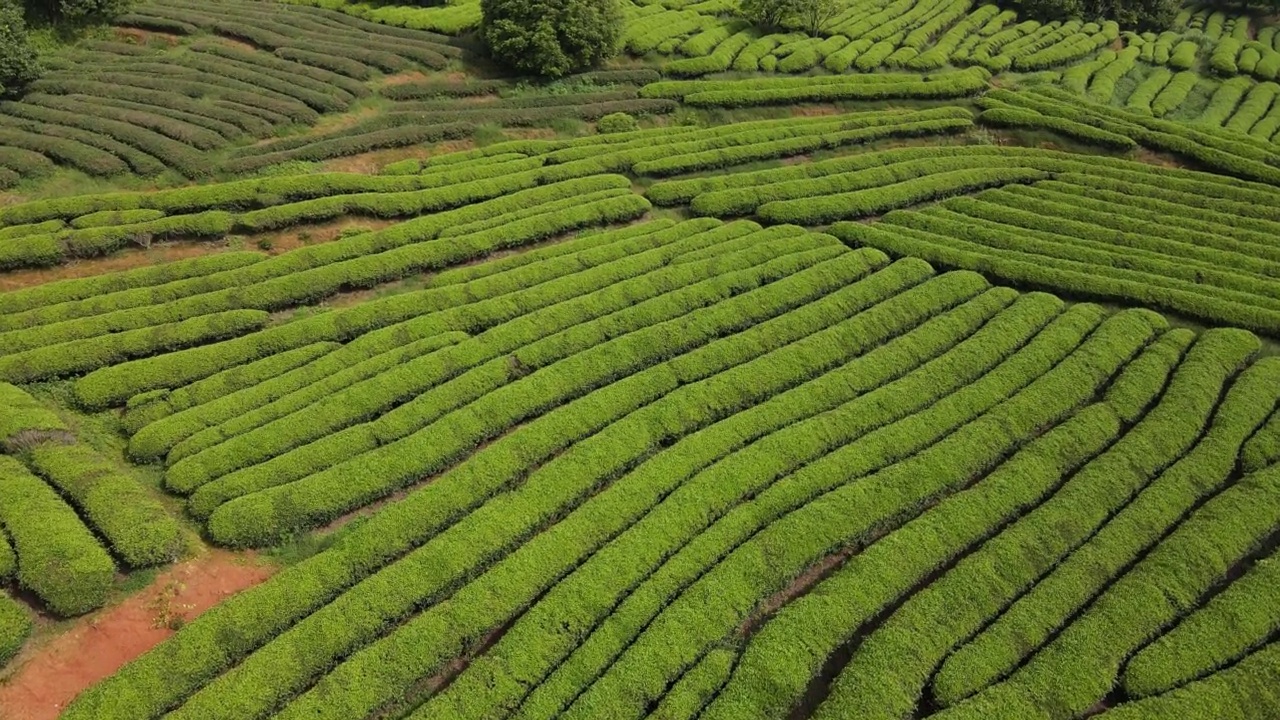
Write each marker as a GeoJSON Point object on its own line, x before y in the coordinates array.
{"type": "Point", "coordinates": [19, 64]}
{"type": "Point", "coordinates": [769, 14]}
{"type": "Point", "coordinates": [813, 15]}
{"type": "Point", "coordinates": [79, 9]}
{"type": "Point", "coordinates": [551, 38]}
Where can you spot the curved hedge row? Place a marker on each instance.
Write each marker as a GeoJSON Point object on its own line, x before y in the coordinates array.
{"type": "Point", "coordinates": [24, 414]}
{"type": "Point", "coordinates": [1231, 625]}
{"type": "Point", "coordinates": [58, 558]}
{"type": "Point", "coordinates": [254, 518]}
{"type": "Point", "coordinates": [1064, 275]}
{"type": "Point", "coordinates": [1084, 661]}
{"type": "Point", "coordinates": [1128, 535]}
{"type": "Point", "coordinates": [740, 447]}
{"type": "Point", "coordinates": [540, 494]}
{"type": "Point", "coordinates": [905, 657]}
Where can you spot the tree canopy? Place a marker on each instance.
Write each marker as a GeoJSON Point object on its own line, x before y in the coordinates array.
{"type": "Point", "coordinates": [18, 62]}
{"type": "Point", "coordinates": [551, 38]}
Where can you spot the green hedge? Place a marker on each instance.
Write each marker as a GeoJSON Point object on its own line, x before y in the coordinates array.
{"type": "Point", "coordinates": [1245, 691]}
{"type": "Point", "coordinates": [1129, 534]}
{"type": "Point", "coordinates": [53, 301]}
{"type": "Point", "coordinates": [1233, 623]}
{"type": "Point", "coordinates": [58, 558]}
{"type": "Point", "coordinates": [827, 208]}
{"type": "Point", "coordinates": [854, 87]}
{"type": "Point", "coordinates": [79, 356]}
{"type": "Point", "coordinates": [773, 677]}
{"type": "Point", "coordinates": [15, 627]}
{"type": "Point", "coordinates": [1083, 663]}
{"type": "Point", "coordinates": [835, 502]}
{"type": "Point", "coordinates": [904, 652]}
{"type": "Point", "coordinates": [134, 523]}
{"type": "Point", "coordinates": [207, 425]}
{"type": "Point", "coordinates": [252, 519]}
{"type": "Point", "coordinates": [749, 449]}
{"type": "Point", "coordinates": [562, 482]}
{"type": "Point", "coordinates": [745, 200]}
{"type": "Point", "coordinates": [165, 402]}
{"type": "Point", "coordinates": [1075, 278]}
{"type": "Point", "coordinates": [410, 254]}
{"type": "Point", "coordinates": [1013, 117]}
{"type": "Point", "coordinates": [23, 414]}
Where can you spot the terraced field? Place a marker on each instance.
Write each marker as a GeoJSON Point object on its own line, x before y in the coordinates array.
{"type": "Point", "coordinates": [921, 367]}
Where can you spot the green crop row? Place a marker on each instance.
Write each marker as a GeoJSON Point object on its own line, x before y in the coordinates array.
{"type": "Point", "coordinates": [1263, 448]}
{"type": "Point", "coordinates": [309, 77]}
{"type": "Point", "coordinates": [410, 254]}
{"type": "Point", "coordinates": [253, 404]}
{"type": "Point", "coordinates": [39, 304]}
{"type": "Point", "coordinates": [1245, 691]}
{"type": "Point", "coordinates": [827, 208]}
{"type": "Point", "coordinates": [143, 410]}
{"type": "Point", "coordinates": [1049, 607]}
{"type": "Point", "coordinates": [283, 600]}
{"type": "Point", "coordinates": [1083, 663]}
{"type": "Point", "coordinates": [903, 656]}
{"type": "Point", "coordinates": [564, 480]}
{"type": "Point", "coordinates": [134, 523]}
{"type": "Point", "coordinates": [79, 155]}
{"type": "Point", "coordinates": [24, 414]}
{"type": "Point", "coordinates": [79, 356]}
{"type": "Point", "coordinates": [1232, 624]}
{"type": "Point", "coordinates": [940, 52]}
{"type": "Point", "coordinates": [399, 136]}
{"type": "Point", "coordinates": [851, 513]}
{"type": "Point", "coordinates": [1015, 117]}
{"type": "Point", "coordinates": [1224, 101]}
{"type": "Point", "coordinates": [177, 130]}
{"type": "Point", "coordinates": [36, 250]}
{"type": "Point", "coordinates": [745, 200]}
{"type": "Point", "coordinates": [1230, 153]}
{"type": "Point", "coordinates": [241, 195]}
{"type": "Point", "coordinates": [136, 160]}
{"type": "Point", "coordinates": [58, 558]}
{"type": "Point", "coordinates": [851, 87]}
{"type": "Point", "coordinates": [918, 124]}
{"type": "Point", "coordinates": [220, 116]}
{"type": "Point", "coordinates": [274, 293]}
{"type": "Point", "coordinates": [1215, 243]}
{"type": "Point", "coordinates": [1254, 107]}
{"type": "Point", "coordinates": [253, 518]}
{"type": "Point", "coordinates": [772, 677]}
{"type": "Point", "coordinates": [1086, 242]}
{"type": "Point", "coordinates": [1063, 275]}
{"type": "Point", "coordinates": [15, 627]}
{"type": "Point", "coordinates": [717, 60]}
{"type": "Point", "coordinates": [590, 617]}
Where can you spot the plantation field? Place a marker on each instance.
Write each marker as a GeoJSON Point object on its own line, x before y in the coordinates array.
{"type": "Point", "coordinates": [924, 366]}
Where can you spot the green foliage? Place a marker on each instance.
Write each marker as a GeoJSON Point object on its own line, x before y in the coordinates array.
{"type": "Point", "coordinates": [136, 526]}
{"type": "Point", "coordinates": [58, 558]}
{"type": "Point", "coordinates": [617, 122]}
{"type": "Point", "coordinates": [551, 38]}
{"type": "Point", "coordinates": [19, 64]}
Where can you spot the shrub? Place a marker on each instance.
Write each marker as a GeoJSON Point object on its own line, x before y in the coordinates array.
{"type": "Point", "coordinates": [137, 527]}
{"type": "Point", "coordinates": [58, 558]}
{"type": "Point", "coordinates": [616, 123]}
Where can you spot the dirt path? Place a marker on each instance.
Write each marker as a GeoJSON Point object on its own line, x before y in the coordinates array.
{"type": "Point", "coordinates": [50, 673]}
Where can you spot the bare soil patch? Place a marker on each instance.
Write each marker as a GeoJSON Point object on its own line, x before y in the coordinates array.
{"type": "Point", "coordinates": [51, 672]}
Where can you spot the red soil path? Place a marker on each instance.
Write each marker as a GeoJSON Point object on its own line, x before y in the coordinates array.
{"type": "Point", "coordinates": [51, 674]}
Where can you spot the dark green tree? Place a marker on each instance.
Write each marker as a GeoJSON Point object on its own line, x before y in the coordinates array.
{"type": "Point", "coordinates": [551, 38]}
{"type": "Point", "coordinates": [78, 9]}
{"type": "Point", "coordinates": [19, 63]}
